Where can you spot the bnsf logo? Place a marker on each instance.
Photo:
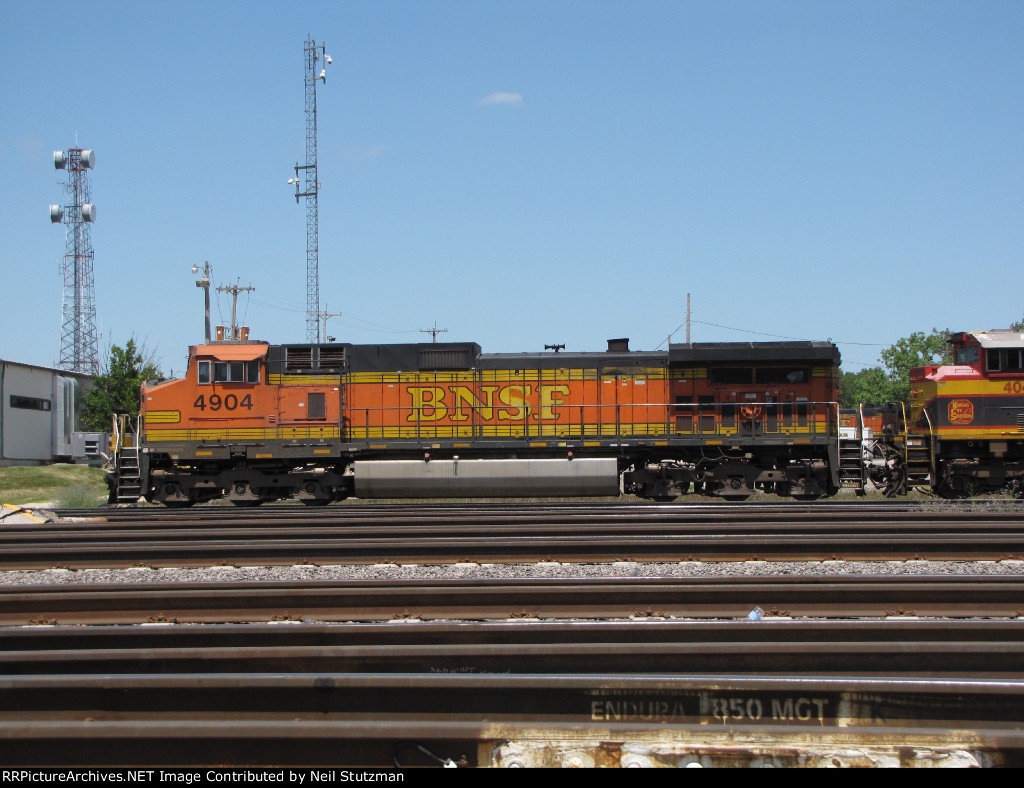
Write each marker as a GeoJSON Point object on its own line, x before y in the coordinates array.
{"type": "Point", "coordinates": [507, 403]}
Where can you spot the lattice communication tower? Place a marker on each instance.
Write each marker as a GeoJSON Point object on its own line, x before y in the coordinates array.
{"type": "Point", "coordinates": [79, 346]}
{"type": "Point", "coordinates": [310, 186]}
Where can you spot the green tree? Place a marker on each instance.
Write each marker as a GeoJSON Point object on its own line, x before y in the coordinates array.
{"type": "Point", "coordinates": [867, 387]}
{"type": "Point", "coordinates": [116, 388]}
{"type": "Point", "coordinates": [917, 350]}
{"type": "Point", "coordinates": [1018, 326]}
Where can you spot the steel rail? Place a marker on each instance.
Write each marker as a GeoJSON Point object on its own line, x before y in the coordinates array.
{"type": "Point", "coordinates": [503, 533]}
{"type": "Point", "coordinates": [183, 528]}
{"type": "Point", "coordinates": [561, 512]}
{"type": "Point", "coordinates": [909, 649]}
{"type": "Point", "coordinates": [290, 549]}
{"type": "Point", "coordinates": [378, 719]}
{"type": "Point", "coordinates": [819, 596]}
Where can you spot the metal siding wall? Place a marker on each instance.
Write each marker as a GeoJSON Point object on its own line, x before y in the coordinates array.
{"type": "Point", "coordinates": [27, 434]}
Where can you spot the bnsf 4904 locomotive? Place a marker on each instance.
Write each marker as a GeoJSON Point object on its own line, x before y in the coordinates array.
{"type": "Point", "coordinates": [254, 422]}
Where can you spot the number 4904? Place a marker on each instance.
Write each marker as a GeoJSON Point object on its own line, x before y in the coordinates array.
{"type": "Point", "coordinates": [216, 402]}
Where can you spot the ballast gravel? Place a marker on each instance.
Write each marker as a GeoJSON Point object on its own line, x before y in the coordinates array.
{"type": "Point", "coordinates": [621, 569]}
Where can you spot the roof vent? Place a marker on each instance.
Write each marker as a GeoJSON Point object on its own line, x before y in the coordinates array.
{"type": "Point", "coordinates": [618, 345]}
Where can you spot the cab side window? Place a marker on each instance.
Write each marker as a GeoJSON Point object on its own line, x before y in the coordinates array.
{"type": "Point", "coordinates": [1004, 360]}
{"type": "Point", "coordinates": [228, 372]}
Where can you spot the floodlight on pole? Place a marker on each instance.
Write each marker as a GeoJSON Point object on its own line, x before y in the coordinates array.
{"type": "Point", "coordinates": [79, 345]}
{"type": "Point", "coordinates": [204, 282]}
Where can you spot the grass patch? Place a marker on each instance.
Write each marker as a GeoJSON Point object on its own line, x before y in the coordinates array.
{"type": "Point", "coordinates": [39, 483]}
{"type": "Point", "coordinates": [81, 496]}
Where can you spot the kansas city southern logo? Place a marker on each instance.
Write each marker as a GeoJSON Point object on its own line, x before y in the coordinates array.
{"type": "Point", "coordinates": [961, 411]}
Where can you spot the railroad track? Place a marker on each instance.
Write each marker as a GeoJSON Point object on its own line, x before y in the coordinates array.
{"type": "Point", "coordinates": [503, 534]}
{"type": "Point", "coordinates": [803, 596]}
{"type": "Point", "coordinates": [575, 717]}
{"type": "Point", "coordinates": [905, 649]}
{"type": "Point", "coordinates": [829, 670]}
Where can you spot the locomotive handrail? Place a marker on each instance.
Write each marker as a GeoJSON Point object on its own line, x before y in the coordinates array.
{"type": "Point", "coordinates": [931, 436]}
{"type": "Point", "coordinates": [115, 439]}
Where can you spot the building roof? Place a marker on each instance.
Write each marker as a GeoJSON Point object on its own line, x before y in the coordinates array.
{"type": "Point", "coordinates": [64, 372]}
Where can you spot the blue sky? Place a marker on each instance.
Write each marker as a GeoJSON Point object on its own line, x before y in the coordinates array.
{"type": "Point", "coordinates": [523, 172]}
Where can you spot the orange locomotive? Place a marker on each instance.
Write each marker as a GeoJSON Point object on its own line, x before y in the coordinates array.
{"type": "Point", "coordinates": [254, 422]}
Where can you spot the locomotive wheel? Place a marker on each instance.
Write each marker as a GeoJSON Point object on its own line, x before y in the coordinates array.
{"type": "Point", "coordinates": [807, 497]}
{"type": "Point", "coordinates": [239, 502]}
{"type": "Point", "coordinates": [315, 501]}
{"type": "Point", "coordinates": [955, 488]}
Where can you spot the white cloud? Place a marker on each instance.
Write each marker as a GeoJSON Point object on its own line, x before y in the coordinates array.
{"type": "Point", "coordinates": [511, 99]}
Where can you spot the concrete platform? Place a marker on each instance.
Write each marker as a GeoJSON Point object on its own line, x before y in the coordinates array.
{"type": "Point", "coordinates": [26, 514]}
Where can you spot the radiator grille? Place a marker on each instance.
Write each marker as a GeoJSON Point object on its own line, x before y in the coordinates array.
{"type": "Point", "coordinates": [332, 357]}
{"type": "Point", "coordinates": [297, 358]}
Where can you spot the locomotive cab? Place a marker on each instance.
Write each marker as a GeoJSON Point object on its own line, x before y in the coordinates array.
{"type": "Point", "coordinates": [236, 426]}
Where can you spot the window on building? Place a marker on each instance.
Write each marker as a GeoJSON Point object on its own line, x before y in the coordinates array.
{"type": "Point", "coordinates": [30, 403]}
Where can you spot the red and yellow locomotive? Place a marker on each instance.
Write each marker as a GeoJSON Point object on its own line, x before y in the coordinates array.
{"type": "Point", "coordinates": [964, 432]}
{"type": "Point", "coordinates": [254, 422]}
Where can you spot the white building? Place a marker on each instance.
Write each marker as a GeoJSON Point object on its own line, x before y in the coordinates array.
{"type": "Point", "coordinates": [39, 409]}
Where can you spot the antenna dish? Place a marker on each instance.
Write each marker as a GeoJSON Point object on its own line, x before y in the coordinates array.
{"type": "Point", "coordinates": [59, 159]}
{"type": "Point", "coordinates": [88, 160]}
{"type": "Point", "coordinates": [56, 214]}
{"type": "Point", "coordinates": [88, 212]}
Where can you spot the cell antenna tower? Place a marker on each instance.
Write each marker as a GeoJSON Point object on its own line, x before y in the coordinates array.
{"type": "Point", "coordinates": [79, 347]}
{"type": "Point", "coordinates": [310, 186]}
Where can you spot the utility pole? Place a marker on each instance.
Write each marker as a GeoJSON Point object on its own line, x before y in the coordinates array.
{"type": "Point", "coordinates": [323, 316]}
{"type": "Point", "coordinates": [434, 332]}
{"type": "Point", "coordinates": [234, 290]}
{"type": "Point", "coordinates": [311, 186]}
{"type": "Point", "coordinates": [687, 318]}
